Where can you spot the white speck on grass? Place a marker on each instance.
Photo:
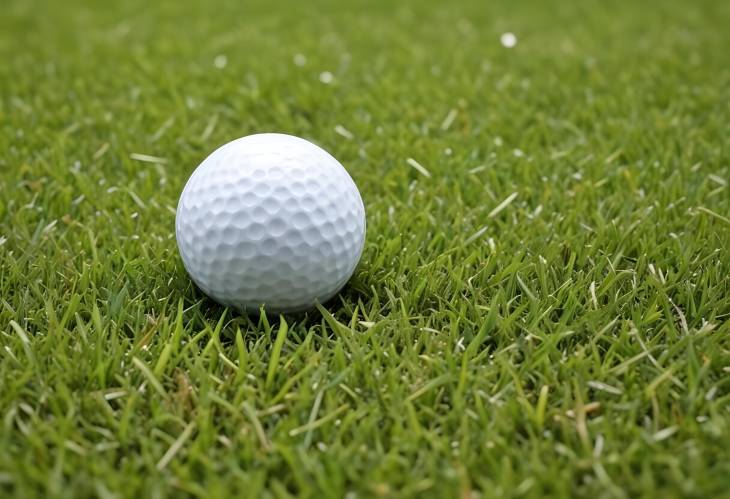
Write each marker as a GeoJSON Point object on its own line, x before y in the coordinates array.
{"type": "Point", "coordinates": [326, 77]}
{"type": "Point", "coordinates": [10, 353]}
{"type": "Point", "coordinates": [415, 164]}
{"type": "Point", "coordinates": [711, 213]}
{"type": "Point", "coordinates": [176, 446]}
{"type": "Point", "coordinates": [598, 447]}
{"type": "Point", "coordinates": [300, 60]}
{"type": "Point", "coordinates": [597, 385]}
{"type": "Point", "coordinates": [665, 433]}
{"type": "Point", "coordinates": [146, 158]}
{"type": "Point", "coordinates": [71, 128]}
{"type": "Point", "coordinates": [611, 157]}
{"type": "Point", "coordinates": [209, 128]}
{"type": "Point", "coordinates": [163, 128]}
{"type": "Point", "coordinates": [498, 141]}
{"type": "Point", "coordinates": [501, 206]}
{"type": "Point", "coordinates": [518, 153]}
{"type": "Point", "coordinates": [341, 130]}
{"type": "Point", "coordinates": [524, 487]}
{"type": "Point", "coordinates": [20, 104]}
{"type": "Point", "coordinates": [220, 61]}
{"type": "Point", "coordinates": [711, 393]}
{"type": "Point", "coordinates": [115, 395]}
{"type": "Point", "coordinates": [3, 240]}
{"type": "Point", "coordinates": [717, 179]}
{"type": "Point", "coordinates": [101, 151]}
{"type": "Point", "coordinates": [460, 345]}
{"type": "Point", "coordinates": [593, 296]}
{"type": "Point", "coordinates": [49, 227]}
{"type": "Point", "coordinates": [476, 235]}
{"type": "Point", "coordinates": [508, 40]}
{"type": "Point", "coordinates": [449, 119]}
{"type": "Point", "coordinates": [492, 245]}
{"type": "Point", "coordinates": [74, 447]}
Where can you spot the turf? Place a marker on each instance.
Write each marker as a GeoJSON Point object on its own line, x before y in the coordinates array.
{"type": "Point", "coordinates": [541, 308]}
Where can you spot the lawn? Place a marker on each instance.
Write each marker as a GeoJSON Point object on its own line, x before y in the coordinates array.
{"type": "Point", "coordinates": [542, 306]}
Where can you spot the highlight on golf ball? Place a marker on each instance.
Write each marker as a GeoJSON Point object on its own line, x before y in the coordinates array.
{"type": "Point", "coordinates": [270, 220]}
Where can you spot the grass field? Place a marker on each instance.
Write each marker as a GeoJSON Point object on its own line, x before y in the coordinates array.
{"type": "Point", "coordinates": [542, 305]}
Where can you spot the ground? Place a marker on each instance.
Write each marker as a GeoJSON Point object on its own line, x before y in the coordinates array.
{"type": "Point", "coordinates": [541, 308]}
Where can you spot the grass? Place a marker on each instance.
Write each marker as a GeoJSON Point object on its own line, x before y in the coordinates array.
{"type": "Point", "coordinates": [542, 305]}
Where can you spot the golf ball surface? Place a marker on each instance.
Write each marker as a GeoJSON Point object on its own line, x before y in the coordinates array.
{"type": "Point", "coordinates": [273, 220]}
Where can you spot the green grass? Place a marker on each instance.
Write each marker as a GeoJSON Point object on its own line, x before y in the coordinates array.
{"type": "Point", "coordinates": [546, 313]}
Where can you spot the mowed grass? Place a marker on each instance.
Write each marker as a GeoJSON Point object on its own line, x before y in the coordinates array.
{"type": "Point", "coordinates": [541, 308]}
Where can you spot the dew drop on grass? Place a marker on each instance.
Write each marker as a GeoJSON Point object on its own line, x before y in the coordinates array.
{"type": "Point", "coordinates": [220, 61]}
{"type": "Point", "coordinates": [508, 40]}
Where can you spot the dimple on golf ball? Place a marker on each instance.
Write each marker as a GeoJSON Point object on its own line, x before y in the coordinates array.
{"type": "Point", "coordinates": [270, 220]}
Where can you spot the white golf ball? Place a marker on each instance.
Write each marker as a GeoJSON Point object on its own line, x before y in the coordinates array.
{"type": "Point", "coordinates": [270, 220]}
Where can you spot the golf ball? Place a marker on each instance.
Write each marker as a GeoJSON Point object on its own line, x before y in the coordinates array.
{"type": "Point", "coordinates": [272, 220]}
